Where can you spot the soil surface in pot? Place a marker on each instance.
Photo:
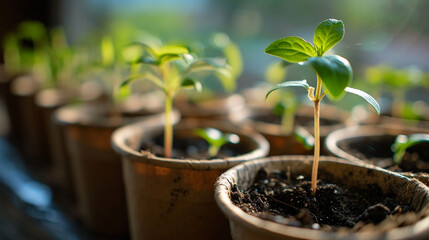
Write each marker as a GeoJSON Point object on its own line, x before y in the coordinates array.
{"type": "Point", "coordinates": [193, 147]}
{"type": "Point", "coordinates": [376, 150]}
{"type": "Point", "coordinates": [277, 197]}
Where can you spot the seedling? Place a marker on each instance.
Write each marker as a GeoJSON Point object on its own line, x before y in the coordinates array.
{"type": "Point", "coordinates": [333, 72]}
{"type": "Point", "coordinates": [397, 81]}
{"type": "Point", "coordinates": [403, 142]}
{"type": "Point", "coordinates": [172, 68]}
{"type": "Point", "coordinates": [216, 139]}
{"type": "Point", "coordinates": [22, 48]}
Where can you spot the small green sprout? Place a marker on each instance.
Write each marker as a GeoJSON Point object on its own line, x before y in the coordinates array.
{"type": "Point", "coordinates": [172, 68]}
{"type": "Point", "coordinates": [398, 81]}
{"type": "Point", "coordinates": [334, 73]}
{"type": "Point", "coordinates": [403, 142]}
{"type": "Point", "coordinates": [216, 139]}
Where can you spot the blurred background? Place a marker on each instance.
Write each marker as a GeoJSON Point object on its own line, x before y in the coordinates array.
{"type": "Point", "coordinates": [386, 42]}
{"type": "Point", "coordinates": [377, 32]}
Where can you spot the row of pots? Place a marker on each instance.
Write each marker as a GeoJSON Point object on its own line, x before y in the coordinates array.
{"type": "Point", "coordinates": [98, 172]}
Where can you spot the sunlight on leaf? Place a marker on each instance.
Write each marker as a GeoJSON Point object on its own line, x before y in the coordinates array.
{"type": "Point", "coordinates": [291, 49]}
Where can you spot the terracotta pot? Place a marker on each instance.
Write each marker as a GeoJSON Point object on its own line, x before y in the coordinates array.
{"type": "Point", "coordinates": [32, 133]}
{"type": "Point", "coordinates": [96, 169]}
{"type": "Point", "coordinates": [376, 140]}
{"type": "Point", "coordinates": [214, 108]}
{"type": "Point", "coordinates": [48, 101]}
{"type": "Point", "coordinates": [173, 198]}
{"type": "Point", "coordinates": [10, 127]}
{"type": "Point", "coordinates": [263, 120]}
{"type": "Point", "coordinates": [334, 170]}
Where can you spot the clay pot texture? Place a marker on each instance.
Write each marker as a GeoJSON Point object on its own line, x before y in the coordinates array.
{"type": "Point", "coordinates": [96, 168]}
{"type": "Point", "coordinates": [334, 170]}
{"type": "Point", "coordinates": [287, 144]}
{"type": "Point", "coordinates": [357, 138]}
{"type": "Point", "coordinates": [173, 198]}
{"type": "Point", "coordinates": [218, 108]}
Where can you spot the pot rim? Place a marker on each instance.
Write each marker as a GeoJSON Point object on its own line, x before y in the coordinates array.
{"type": "Point", "coordinates": [331, 142]}
{"type": "Point", "coordinates": [77, 115]}
{"type": "Point", "coordinates": [237, 214]}
{"type": "Point", "coordinates": [133, 132]}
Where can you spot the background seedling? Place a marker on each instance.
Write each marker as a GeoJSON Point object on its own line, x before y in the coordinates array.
{"type": "Point", "coordinates": [334, 73]}
{"type": "Point", "coordinates": [216, 139]}
{"type": "Point", "coordinates": [387, 79]}
{"type": "Point", "coordinates": [403, 142]}
{"type": "Point", "coordinates": [172, 68]}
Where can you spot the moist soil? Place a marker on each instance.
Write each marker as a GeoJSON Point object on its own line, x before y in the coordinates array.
{"type": "Point", "coordinates": [192, 147]}
{"type": "Point", "coordinates": [377, 151]}
{"type": "Point", "coordinates": [277, 197]}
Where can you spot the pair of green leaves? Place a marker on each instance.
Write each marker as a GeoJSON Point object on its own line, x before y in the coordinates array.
{"type": "Point", "coordinates": [334, 71]}
{"type": "Point", "coordinates": [216, 139]}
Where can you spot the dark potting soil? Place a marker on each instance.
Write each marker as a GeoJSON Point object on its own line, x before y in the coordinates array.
{"type": "Point", "coordinates": [305, 121]}
{"type": "Point", "coordinates": [377, 151]}
{"type": "Point", "coordinates": [277, 198]}
{"type": "Point", "coordinates": [193, 147]}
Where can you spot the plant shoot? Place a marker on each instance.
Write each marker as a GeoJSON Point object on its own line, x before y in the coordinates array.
{"type": "Point", "coordinates": [403, 142]}
{"type": "Point", "coordinates": [216, 139]}
{"type": "Point", "coordinates": [172, 68]}
{"type": "Point", "coordinates": [333, 73]}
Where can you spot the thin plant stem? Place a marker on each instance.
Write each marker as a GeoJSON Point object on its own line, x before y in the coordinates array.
{"type": "Point", "coordinates": [316, 101]}
{"type": "Point", "coordinates": [168, 128]}
{"type": "Point", "coordinates": [316, 147]}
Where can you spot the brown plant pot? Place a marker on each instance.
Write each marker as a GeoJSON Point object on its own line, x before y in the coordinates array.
{"type": "Point", "coordinates": [362, 143]}
{"type": "Point", "coordinates": [95, 167]}
{"type": "Point", "coordinates": [334, 170]}
{"type": "Point", "coordinates": [173, 198]}
{"type": "Point", "coordinates": [218, 108]}
{"type": "Point", "coordinates": [11, 128]}
{"type": "Point", "coordinates": [48, 101]}
{"type": "Point", "coordinates": [29, 120]}
{"type": "Point", "coordinates": [263, 120]}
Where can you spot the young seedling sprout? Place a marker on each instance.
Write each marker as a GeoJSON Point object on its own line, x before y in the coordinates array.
{"type": "Point", "coordinates": [403, 142]}
{"type": "Point", "coordinates": [333, 72]}
{"type": "Point", "coordinates": [171, 68]}
{"type": "Point", "coordinates": [216, 139]}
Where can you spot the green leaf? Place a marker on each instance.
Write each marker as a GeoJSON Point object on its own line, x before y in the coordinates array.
{"type": "Point", "coordinates": [304, 137]}
{"type": "Point", "coordinates": [190, 82]}
{"type": "Point", "coordinates": [164, 58]}
{"type": "Point", "coordinates": [33, 30]}
{"type": "Point", "coordinates": [171, 49]}
{"type": "Point", "coordinates": [291, 49]}
{"type": "Point", "coordinates": [217, 66]}
{"type": "Point", "coordinates": [107, 51]}
{"type": "Point", "coordinates": [402, 143]}
{"type": "Point", "coordinates": [216, 139]}
{"type": "Point", "coordinates": [327, 34]}
{"type": "Point", "coordinates": [302, 83]}
{"type": "Point", "coordinates": [365, 96]}
{"type": "Point", "coordinates": [235, 60]}
{"type": "Point", "coordinates": [227, 79]}
{"type": "Point", "coordinates": [335, 72]}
